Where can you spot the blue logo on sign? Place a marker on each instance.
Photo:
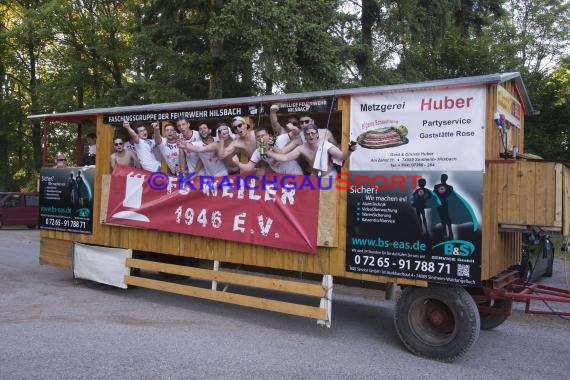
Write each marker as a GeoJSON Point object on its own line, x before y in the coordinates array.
{"type": "Point", "coordinates": [84, 212]}
{"type": "Point", "coordinates": [460, 248]}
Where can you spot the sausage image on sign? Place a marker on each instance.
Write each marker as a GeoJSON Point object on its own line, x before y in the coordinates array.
{"type": "Point", "coordinates": [383, 137]}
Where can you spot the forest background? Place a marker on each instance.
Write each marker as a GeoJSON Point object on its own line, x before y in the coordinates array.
{"type": "Point", "coordinates": [59, 56]}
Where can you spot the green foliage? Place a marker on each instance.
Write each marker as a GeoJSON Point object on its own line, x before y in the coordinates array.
{"type": "Point", "coordinates": [548, 134]}
{"type": "Point", "coordinates": [66, 55]}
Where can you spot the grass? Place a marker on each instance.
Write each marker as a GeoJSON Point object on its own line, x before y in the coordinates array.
{"type": "Point", "coordinates": [557, 242]}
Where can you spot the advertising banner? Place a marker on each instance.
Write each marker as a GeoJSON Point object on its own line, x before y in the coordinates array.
{"type": "Point", "coordinates": [421, 130]}
{"type": "Point", "coordinates": [281, 211]}
{"type": "Point", "coordinates": [415, 209]}
{"type": "Point", "coordinates": [423, 226]}
{"type": "Point", "coordinates": [66, 199]}
{"type": "Point", "coordinates": [305, 105]}
{"type": "Point", "coordinates": [509, 107]}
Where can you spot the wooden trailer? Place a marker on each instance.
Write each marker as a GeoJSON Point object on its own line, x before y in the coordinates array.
{"type": "Point", "coordinates": [468, 131]}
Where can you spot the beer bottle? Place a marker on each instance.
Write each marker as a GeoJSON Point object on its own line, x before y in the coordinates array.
{"type": "Point", "coordinates": [262, 151]}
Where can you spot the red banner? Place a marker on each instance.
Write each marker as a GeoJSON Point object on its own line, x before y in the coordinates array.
{"type": "Point", "coordinates": [277, 210]}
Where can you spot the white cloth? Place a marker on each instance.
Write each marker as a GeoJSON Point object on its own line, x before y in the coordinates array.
{"type": "Point", "coordinates": [212, 164]}
{"type": "Point", "coordinates": [130, 146]}
{"type": "Point", "coordinates": [146, 156]}
{"type": "Point", "coordinates": [322, 158]}
{"type": "Point", "coordinates": [170, 153]}
{"type": "Point", "coordinates": [334, 160]}
{"type": "Point", "coordinates": [191, 157]}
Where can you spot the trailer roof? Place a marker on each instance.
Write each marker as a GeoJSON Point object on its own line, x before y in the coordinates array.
{"type": "Point", "coordinates": [183, 105]}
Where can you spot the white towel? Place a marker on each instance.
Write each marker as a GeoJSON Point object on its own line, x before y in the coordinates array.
{"type": "Point", "coordinates": [321, 163]}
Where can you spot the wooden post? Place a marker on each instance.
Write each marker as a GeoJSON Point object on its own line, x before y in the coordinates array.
{"type": "Point", "coordinates": [326, 301]}
{"type": "Point", "coordinates": [216, 268]}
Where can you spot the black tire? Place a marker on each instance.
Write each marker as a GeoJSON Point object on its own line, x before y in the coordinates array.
{"type": "Point", "coordinates": [31, 226]}
{"type": "Point", "coordinates": [491, 320]}
{"type": "Point", "coordinates": [1, 223]}
{"type": "Point", "coordinates": [439, 322]}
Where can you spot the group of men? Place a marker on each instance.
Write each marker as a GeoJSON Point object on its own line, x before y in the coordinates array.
{"type": "Point", "coordinates": [277, 149]}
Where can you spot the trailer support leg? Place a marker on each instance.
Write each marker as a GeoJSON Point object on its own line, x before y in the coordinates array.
{"type": "Point", "coordinates": [326, 301]}
{"type": "Point", "coordinates": [216, 268]}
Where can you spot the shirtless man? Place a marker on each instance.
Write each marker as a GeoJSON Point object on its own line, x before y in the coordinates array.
{"type": "Point", "coordinates": [123, 156]}
{"type": "Point", "coordinates": [244, 143]}
{"type": "Point", "coordinates": [305, 120]}
{"type": "Point", "coordinates": [143, 146]}
{"type": "Point", "coordinates": [317, 154]}
{"type": "Point", "coordinates": [168, 147]}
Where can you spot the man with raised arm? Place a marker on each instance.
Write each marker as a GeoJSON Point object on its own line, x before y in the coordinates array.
{"type": "Point", "coordinates": [168, 147]}
{"type": "Point", "coordinates": [278, 129]}
{"type": "Point", "coordinates": [143, 146]}
{"type": "Point", "coordinates": [244, 142]}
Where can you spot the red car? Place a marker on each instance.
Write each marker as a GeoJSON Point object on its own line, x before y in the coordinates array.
{"type": "Point", "coordinates": [19, 209]}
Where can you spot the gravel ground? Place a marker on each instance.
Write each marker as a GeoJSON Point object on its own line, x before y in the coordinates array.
{"type": "Point", "coordinates": [54, 327]}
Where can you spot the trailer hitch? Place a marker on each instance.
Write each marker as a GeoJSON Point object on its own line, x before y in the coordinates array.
{"type": "Point", "coordinates": [509, 286]}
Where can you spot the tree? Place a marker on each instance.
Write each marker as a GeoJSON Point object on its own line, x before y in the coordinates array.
{"type": "Point", "coordinates": [291, 44]}
{"type": "Point", "coordinates": [91, 55]}
{"type": "Point", "coordinates": [26, 34]}
{"type": "Point", "coordinates": [542, 32]}
{"type": "Point", "coordinates": [548, 134]}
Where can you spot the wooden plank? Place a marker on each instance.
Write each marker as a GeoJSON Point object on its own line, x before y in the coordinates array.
{"type": "Point", "coordinates": [527, 193]}
{"type": "Point", "coordinates": [56, 252]}
{"type": "Point", "coordinates": [513, 227]}
{"type": "Point", "coordinates": [236, 299]}
{"type": "Point", "coordinates": [566, 202]}
{"type": "Point", "coordinates": [515, 183]}
{"type": "Point", "coordinates": [104, 149]}
{"type": "Point", "coordinates": [489, 194]}
{"type": "Point", "coordinates": [492, 137]}
{"type": "Point", "coordinates": [512, 193]}
{"type": "Point", "coordinates": [548, 173]}
{"type": "Point", "coordinates": [337, 257]}
{"type": "Point", "coordinates": [256, 281]}
{"type": "Point", "coordinates": [539, 193]}
{"type": "Point", "coordinates": [327, 235]}
{"type": "Point", "coordinates": [558, 194]}
{"type": "Point", "coordinates": [105, 186]}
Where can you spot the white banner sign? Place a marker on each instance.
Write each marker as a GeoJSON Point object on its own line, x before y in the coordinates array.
{"type": "Point", "coordinates": [101, 264]}
{"type": "Point", "coordinates": [440, 130]}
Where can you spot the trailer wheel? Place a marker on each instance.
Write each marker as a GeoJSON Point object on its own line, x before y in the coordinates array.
{"type": "Point", "coordinates": [440, 322]}
{"type": "Point", "coordinates": [490, 320]}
